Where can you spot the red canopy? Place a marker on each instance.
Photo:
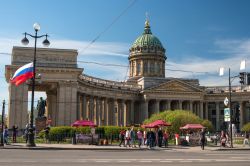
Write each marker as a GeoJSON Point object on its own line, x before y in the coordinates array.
{"type": "Point", "coordinates": [79, 123]}
{"type": "Point", "coordinates": [156, 124]}
{"type": "Point", "coordinates": [192, 126]}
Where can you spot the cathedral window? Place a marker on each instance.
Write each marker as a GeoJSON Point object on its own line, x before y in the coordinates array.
{"type": "Point", "coordinates": [138, 67]}
{"type": "Point", "coordinates": [152, 67]}
{"type": "Point", "coordinates": [145, 67]}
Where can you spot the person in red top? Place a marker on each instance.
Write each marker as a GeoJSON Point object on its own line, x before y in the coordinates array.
{"type": "Point", "coordinates": [165, 138]}
{"type": "Point", "coordinates": [122, 138]}
{"type": "Point", "coordinates": [139, 137]}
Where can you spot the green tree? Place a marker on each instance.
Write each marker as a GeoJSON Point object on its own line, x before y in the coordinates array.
{"type": "Point", "coordinates": [179, 118]}
{"type": "Point", "coordinates": [246, 127]}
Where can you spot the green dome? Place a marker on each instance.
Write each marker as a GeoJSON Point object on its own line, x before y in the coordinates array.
{"type": "Point", "coordinates": [147, 39]}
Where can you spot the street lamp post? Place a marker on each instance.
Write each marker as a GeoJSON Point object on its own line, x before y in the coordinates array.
{"type": "Point", "coordinates": [25, 41]}
{"type": "Point", "coordinates": [230, 79]}
{"type": "Point", "coordinates": [230, 106]}
{"type": "Point", "coordinates": [2, 127]}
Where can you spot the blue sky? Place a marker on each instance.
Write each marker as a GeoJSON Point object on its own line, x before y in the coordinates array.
{"type": "Point", "coordinates": [199, 35]}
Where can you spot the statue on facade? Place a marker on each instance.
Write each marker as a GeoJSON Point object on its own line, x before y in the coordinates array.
{"type": "Point", "coordinates": [41, 107]}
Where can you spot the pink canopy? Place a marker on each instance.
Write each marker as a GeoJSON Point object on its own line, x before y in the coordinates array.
{"type": "Point", "coordinates": [83, 123]}
{"type": "Point", "coordinates": [156, 124]}
{"type": "Point", "coordinates": [192, 126]}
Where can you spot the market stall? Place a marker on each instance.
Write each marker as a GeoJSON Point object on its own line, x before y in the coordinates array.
{"type": "Point", "coordinates": [191, 134]}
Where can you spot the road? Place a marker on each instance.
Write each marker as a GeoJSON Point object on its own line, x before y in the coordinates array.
{"type": "Point", "coordinates": [25, 157]}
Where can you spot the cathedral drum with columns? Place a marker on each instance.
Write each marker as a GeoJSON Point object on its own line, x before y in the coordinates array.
{"type": "Point", "coordinates": [72, 95]}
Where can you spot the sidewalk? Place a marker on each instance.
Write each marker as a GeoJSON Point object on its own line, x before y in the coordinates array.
{"type": "Point", "coordinates": [116, 147]}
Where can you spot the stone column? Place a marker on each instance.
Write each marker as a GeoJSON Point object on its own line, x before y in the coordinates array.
{"type": "Point", "coordinates": [106, 112]}
{"type": "Point", "coordinates": [217, 115]}
{"type": "Point", "coordinates": [144, 111]}
{"type": "Point", "coordinates": [102, 116]}
{"type": "Point", "coordinates": [119, 113]}
{"type": "Point", "coordinates": [169, 104]}
{"type": "Point", "coordinates": [132, 112]}
{"type": "Point", "coordinates": [180, 104]}
{"type": "Point", "coordinates": [191, 106]}
{"type": "Point", "coordinates": [157, 106]}
{"type": "Point", "coordinates": [201, 110]}
{"type": "Point", "coordinates": [67, 103]}
{"type": "Point", "coordinates": [79, 107]}
{"type": "Point", "coordinates": [115, 113]}
{"type": "Point", "coordinates": [111, 112]}
{"type": "Point", "coordinates": [52, 107]}
{"type": "Point", "coordinates": [242, 114]}
{"type": "Point", "coordinates": [123, 113]}
{"type": "Point", "coordinates": [206, 110]}
{"type": "Point", "coordinates": [18, 105]}
{"type": "Point", "coordinates": [97, 111]}
{"type": "Point", "coordinates": [88, 108]}
{"type": "Point", "coordinates": [91, 108]}
{"type": "Point", "coordinates": [84, 107]}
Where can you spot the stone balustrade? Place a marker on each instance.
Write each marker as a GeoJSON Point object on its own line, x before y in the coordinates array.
{"type": "Point", "coordinates": [122, 85]}
{"type": "Point", "coordinates": [222, 89]}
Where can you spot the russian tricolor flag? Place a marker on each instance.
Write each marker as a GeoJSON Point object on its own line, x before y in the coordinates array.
{"type": "Point", "coordinates": [22, 74]}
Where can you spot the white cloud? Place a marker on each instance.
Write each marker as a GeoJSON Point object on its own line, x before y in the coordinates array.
{"type": "Point", "coordinates": [233, 52]}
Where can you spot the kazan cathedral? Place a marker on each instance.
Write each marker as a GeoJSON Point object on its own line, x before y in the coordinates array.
{"type": "Point", "coordinates": [73, 95]}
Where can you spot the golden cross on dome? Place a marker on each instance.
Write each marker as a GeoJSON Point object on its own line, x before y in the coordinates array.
{"type": "Point", "coordinates": [147, 19]}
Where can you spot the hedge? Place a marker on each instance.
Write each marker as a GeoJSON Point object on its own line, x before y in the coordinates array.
{"type": "Point", "coordinates": [62, 132]}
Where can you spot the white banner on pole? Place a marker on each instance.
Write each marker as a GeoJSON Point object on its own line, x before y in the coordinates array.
{"type": "Point", "coordinates": [221, 71]}
{"type": "Point", "coordinates": [243, 65]}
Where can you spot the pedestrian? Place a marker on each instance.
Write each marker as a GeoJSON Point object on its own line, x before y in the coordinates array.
{"type": "Point", "coordinates": [246, 140]}
{"type": "Point", "coordinates": [132, 137]}
{"type": "Point", "coordinates": [46, 132]}
{"type": "Point", "coordinates": [144, 137]}
{"type": "Point", "coordinates": [165, 138]}
{"type": "Point", "coordinates": [26, 132]}
{"type": "Point", "coordinates": [122, 138]}
{"type": "Point", "coordinates": [14, 133]}
{"type": "Point", "coordinates": [139, 137]}
{"type": "Point", "coordinates": [151, 139]}
{"type": "Point", "coordinates": [223, 139]}
{"type": "Point", "coordinates": [202, 138]}
{"type": "Point", "coordinates": [127, 138]}
{"type": "Point", "coordinates": [160, 137]}
{"type": "Point", "coordinates": [6, 135]}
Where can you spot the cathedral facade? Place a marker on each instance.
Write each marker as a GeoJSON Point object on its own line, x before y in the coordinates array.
{"type": "Point", "coordinates": [73, 95]}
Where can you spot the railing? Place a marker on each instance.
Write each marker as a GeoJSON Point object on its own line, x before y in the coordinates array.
{"type": "Point", "coordinates": [122, 85]}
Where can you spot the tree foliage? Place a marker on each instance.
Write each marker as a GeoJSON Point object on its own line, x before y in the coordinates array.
{"type": "Point", "coordinates": [179, 118]}
{"type": "Point", "coordinates": [246, 127]}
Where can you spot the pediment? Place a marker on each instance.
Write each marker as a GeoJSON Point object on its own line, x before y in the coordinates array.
{"type": "Point", "coordinates": [176, 86]}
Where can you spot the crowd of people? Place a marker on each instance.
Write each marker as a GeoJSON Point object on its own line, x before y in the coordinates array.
{"type": "Point", "coordinates": [14, 129]}
{"type": "Point", "coordinates": [147, 137]}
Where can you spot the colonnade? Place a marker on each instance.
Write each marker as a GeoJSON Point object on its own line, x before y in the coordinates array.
{"type": "Point", "coordinates": [123, 112]}
{"type": "Point", "coordinates": [216, 113]}
{"type": "Point", "coordinates": [106, 111]}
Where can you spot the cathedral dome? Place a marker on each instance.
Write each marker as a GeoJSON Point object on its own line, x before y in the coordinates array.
{"type": "Point", "coordinates": [147, 39]}
{"type": "Point", "coordinates": [147, 56]}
